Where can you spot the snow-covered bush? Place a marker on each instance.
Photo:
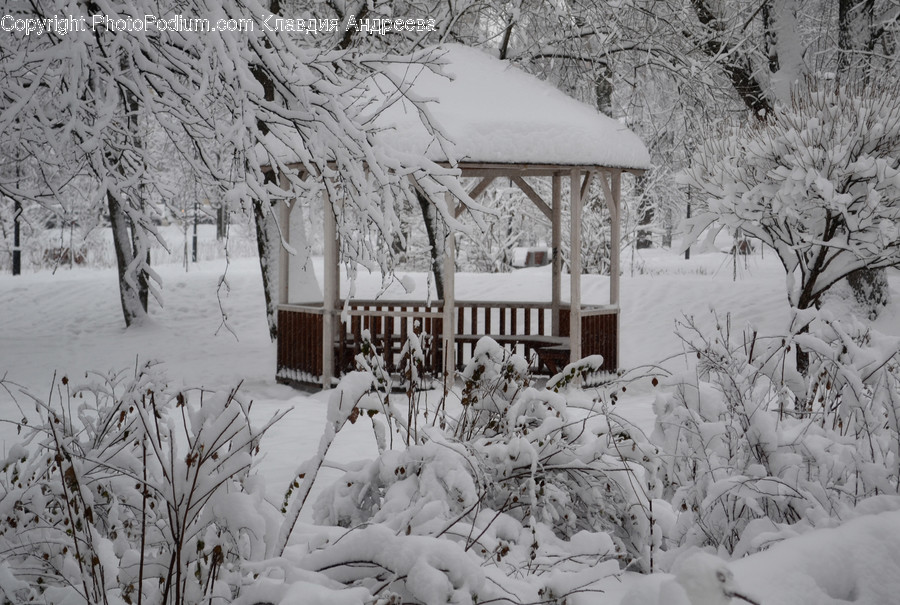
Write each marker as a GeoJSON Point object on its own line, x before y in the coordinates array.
{"type": "Point", "coordinates": [491, 381]}
{"type": "Point", "coordinates": [748, 444]}
{"type": "Point", "coordinates": [525, 487]}
{"type": "Point", "coordinates": [818, 181]}
{"type": "Point", "coordinates": [411, 378]}
{"type": "Point", "coordinates": [125, 491]}
{"type": "Point", "coordinates": [583, 372]}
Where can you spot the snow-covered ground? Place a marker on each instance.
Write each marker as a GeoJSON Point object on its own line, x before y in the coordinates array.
{"type": "Point", "coordinates": [215, 337]}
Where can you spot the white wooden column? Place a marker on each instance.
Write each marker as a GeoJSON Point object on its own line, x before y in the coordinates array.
{"type": "Point", "coordinates": [330, 289]}
{"type": "Point", "coordinates": [615, 236]}
{"type": "Point", "coordinates": [575, 266]}
{"type": "Point", "coordinates": [284, 258]}
{"type": "Point", "coordinates": [556, 248]}
{"type": "Point", "coordinates": [450, 296]}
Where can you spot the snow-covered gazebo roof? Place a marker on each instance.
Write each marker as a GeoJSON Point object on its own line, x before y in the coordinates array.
{"type": "Point", "coordinates": [492, 112]}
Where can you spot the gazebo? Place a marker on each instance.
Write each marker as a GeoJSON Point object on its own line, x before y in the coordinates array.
{"type": "Point", "coordinates": [503, 123]}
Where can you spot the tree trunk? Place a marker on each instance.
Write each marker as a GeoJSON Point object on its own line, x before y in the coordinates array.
{"type": "Point", "coordinates": [143, 275]}
{"type": "Point", "coordinates": [434, 228]}
{"type": "Point", "coordinates": [856, 35]}
{"type": "Point", "coordinates": [736, 65]}
{"type": "Point", "coordinates": [870, 289]}
{"type": "Point", "coordinates": [603, 92]}
{"type": "Point", "coordinates": [267, 244]}
{"type": "Point", "coordinates": [856, 40]}
{"type": "Point", "coordinates": [133, 309]}
{"type": "Point", "coordinates": [646, 213]}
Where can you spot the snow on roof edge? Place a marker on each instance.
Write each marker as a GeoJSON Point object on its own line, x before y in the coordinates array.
{"type": "Point", "coordinates": [491, 112]}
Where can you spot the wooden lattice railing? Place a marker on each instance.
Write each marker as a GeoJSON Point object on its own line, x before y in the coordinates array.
{"type": "Point", "coordinates": [524, 327]}
{"type": "Point", "coordinates": [521, 326]}
{"type": "Point", "coordinates": [300, 344]}
{"type": "Point", "coordinates": [389, 324]}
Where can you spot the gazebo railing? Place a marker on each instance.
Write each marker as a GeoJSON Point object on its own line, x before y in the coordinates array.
{"type": "Point", "coordinates": [300, 344]}
{"type": "Point", "coordinates": [524, 327]}
{"type": "Point", "coordinates": [389, 324]}
{"type": "Point", "coordinates": [599, 332]}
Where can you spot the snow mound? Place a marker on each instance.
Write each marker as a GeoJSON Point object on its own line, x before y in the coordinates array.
{"type": "Point", "coordinates": [857, 562]}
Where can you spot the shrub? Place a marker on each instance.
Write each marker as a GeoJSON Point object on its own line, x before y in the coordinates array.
{"type": "Point", "coordinates": [750, 445]}
{"type": "Point", "coordinates": [517, 480]}
{"type": "Point", "coordinates": [128, 491]}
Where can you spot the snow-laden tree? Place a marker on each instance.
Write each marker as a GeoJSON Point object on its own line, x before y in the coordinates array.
{"type": "Point", "coordinates": [818, 181]}
{"type": "Point", "coordinates": [225, 85]}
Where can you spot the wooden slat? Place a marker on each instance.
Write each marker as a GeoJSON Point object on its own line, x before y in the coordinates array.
{"type": "Point", "coordinates": [533, 196]}
{"type": "Point", "coordinates": [481, 187]}
{"type": "Point", "coordinates": [586, 184]}
{"type": "Point", "coordinates": [389, 341]}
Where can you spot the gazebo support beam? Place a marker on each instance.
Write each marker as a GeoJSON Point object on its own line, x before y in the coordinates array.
{"type": "Point", "coordinates": [612, 191]}
{"type": "Point", "coordinates": [481, 187]}
{"type": "Point", "coordinates": [449, 335]}
{"type": "Point", "coordinates": [575, 266]}
{"type": "Point", "coordinates": [477, 190]}
{"type": "Point", "coordinates": [615, 261]}
{"type": "Point", "coordinates": [556, 248]}
{"type": "Point", "coordinates": [586, 184]}
{"type": "Point", "coordinates": [330, 289]}
{"type": "Point", "coordinates": [284, 257]}
{"type": "Point", "coordinates": [533, 196]}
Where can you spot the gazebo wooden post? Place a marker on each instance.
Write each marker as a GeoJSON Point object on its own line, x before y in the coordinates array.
{"type": "Point", "coordinates": [556, 249]}
{"type": "Point", "coordinates": [284, 257]}
{"type": "Point", "coordinates": [449, 335]}
{"type": "Point", "coordinates": [615, 236]}
{"type": "Point", "coordinates": [330, 289]}
{"type": "Point", "coordinates": [575, 265]}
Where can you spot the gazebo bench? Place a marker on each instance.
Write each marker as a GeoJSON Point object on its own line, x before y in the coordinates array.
{"type": "Point", "coordinates": [552, 351]}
